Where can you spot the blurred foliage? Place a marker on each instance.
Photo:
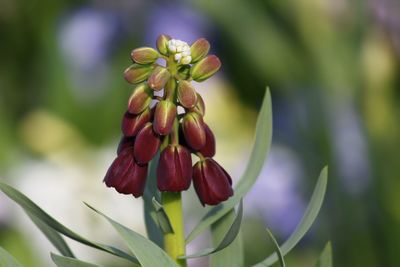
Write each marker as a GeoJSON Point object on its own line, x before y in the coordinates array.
{"type": "Point", "coordinates": [314, 54]}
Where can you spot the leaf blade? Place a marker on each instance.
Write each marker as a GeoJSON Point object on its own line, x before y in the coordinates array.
{"type": "Point", "coordinates": [263, 138]}
{"type": "Point", "coordinates": [147, 252]}
{"type": "Point", "coordinates": [62, 261]}
{"type": "Point", "coordinates": [32, 209]}
{"type": "Point", "coordinates": [8, 260]}
{"type": "Point", "coordinates": [325, 259]}
{"type": "Point", "coordinates": [277, 248]}
{"type": "Point", "coordinates": [308, 218]}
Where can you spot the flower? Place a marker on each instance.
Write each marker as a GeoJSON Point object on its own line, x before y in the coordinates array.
{"type": "Point", "coordinates": [193, 130]}
{"type": "Point", "coordinates": [125, 175]}
{"type": "Point", "coordinates": [146, 145]}
{"type": "Point", "coordinates": [180, 50]}
{"type": "Point", "coordinates": [174, 170]}
{"type": "Point", "coordinates": [211, 182]}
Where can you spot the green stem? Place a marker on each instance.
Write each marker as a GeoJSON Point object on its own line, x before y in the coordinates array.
{"type": "Point", "coordinates": [174, 243]}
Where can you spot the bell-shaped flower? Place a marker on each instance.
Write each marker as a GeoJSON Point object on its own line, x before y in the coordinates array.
{"type": "Point", "coordinates": [164, 117]}
{"type": "Point", "coordinates": [193, 130]}
{"type": "Point", "coordinates": [174, 170]}
{"type": "Point", "coordinates": [208, 150]}
{"type": "Point", "coordinates": [146, 145]}
{"type": "Point", "coordinates": [211, 182]}
{"type": "Point", "coordinates": [132, 124]}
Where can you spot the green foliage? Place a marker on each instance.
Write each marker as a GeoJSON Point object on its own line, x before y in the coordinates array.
{"type": "Point", "coordinates": [61, 261]}
{"type": "Point", "coordinates": [277, 248]}
{"type": "Point", "coordinates": [256, 162]}
{"type": "Point", "coordinates": [35, 211]}
{"type": "Point", "coordinates": [147, 253]}
{"type": "Point", "coordinates": [7, 260]}
{"type": "Point", "coordinates": [162, 218]}
{"type": "Point", "coordinates": [325, 259]}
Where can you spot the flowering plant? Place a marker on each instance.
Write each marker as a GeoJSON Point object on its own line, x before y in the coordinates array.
{"type": "Point", "coordinates": [162, 128]}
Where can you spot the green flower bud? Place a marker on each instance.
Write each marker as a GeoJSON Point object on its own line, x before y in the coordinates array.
{"type": "Point", "coordinates": [200, 107]}
{"type": "Point", "coordinates": [205, 68]}
{"type": "Point", "coordinates": [140, 99]}
{"type": "Point", "coordinates": [164, 117]}
{"type": "Point", "coordinates": [199, 49]}
{"type": "Point", "coordinates": [158, 78]}
{"type": "Point", "coordinates": [162, 44]}
{"type": "Point", "coordinates": [137, 73]}
{"type": "Point", "coordinates": [184, 72]}
{"type": "Point", "coordinates": [144, 55]}
{"type": "Point", "coordinates": [187, 94]}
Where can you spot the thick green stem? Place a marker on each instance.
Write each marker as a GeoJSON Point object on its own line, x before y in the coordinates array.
{"type": "Point", "coordinates": [174, 243]}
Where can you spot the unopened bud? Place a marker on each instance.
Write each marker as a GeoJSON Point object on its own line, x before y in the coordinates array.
{"type": "Point", "coordinates": [200, 107]}
{"type": "Point", "coordinates": [162, 44]}
{"type": "Point", "coordinates": [208, 150]}
{"type": "Point", "coordinates": [164, 117]}
{"type": "Point", "coordinates": [199, 49]}
{"type": "Point", "coordinates": [140, 99]}
{"type": "Point", "coordinates": [147, 144]}
{"type": "Point", "coordinates": [193, 130]}
{"type": "Point", "coordinates": [132, 124]}
{"type": "Point", "coordinates": [205, 68]}
{"type": "Point", "coordinates": [137, 73]}
{"type": "Point", "coordinates": [158, 78]}
{"type": "Point", "coordinates": [187, 94]}
{"type": "Point", "coordinates": [144, 55]}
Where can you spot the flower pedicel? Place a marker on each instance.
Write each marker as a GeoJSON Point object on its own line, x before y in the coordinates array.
{"type": "Point", "coordinates": [149, 130]}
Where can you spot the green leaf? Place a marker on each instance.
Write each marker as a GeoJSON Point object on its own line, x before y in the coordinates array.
{"type": "Point", "coordinates": [61, 261]}
{"type": "Point", "coordinates": [150, 217]}
{"type": "Point", "coordinates": [325, 259]}
{"type": "Point", "coordinates": [147, 253]}
{"type": "Point", "coordinates": [162, 217]}
{"type": "Point", "coordinates": [277, 248]}
{"type": "Point", "coordinates": [54, 237]}
{"type": "Point", "coordinates": [7, 260]}
{"type": "Point", "coordinates": [257, 159]}
{"type": "Point", "coordinates": [233, 255]}
{"type": "Point", "coordinates": [308, 219]}
{"type": "Point", "coordinates": [228, 238]}
{"type": "Point", "coordinates": [34, 210]}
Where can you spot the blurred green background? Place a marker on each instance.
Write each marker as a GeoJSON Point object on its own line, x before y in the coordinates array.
{"type": "Point", "coordinates": [334, 73]}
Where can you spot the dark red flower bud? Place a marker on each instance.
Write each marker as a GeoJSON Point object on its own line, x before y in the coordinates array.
{"type": "Point", "coordinates": [211, 182]}
{"type": "Point", "coordinates": [125, 175]}
{"type": "Point", "coordinates": [147, 144]}
{"type": "Point", "coordinates": [200, 107]}
{"type": "Point", "coordinates": [199, 49]}
{"type": "Point", "coordinates": [205, 68]}
{"type": "Point", "coordinates": [144, 55]}
{"type": "Point", "coordinates": [208, 150]}
{"type": "Point", "coordinates": [124, 143]}
{"type": "Point", "coordinates": [174, 170]}
{"type": "Point", "coordinates": [140, 99]}
{"type": "Point", "coordinates": [132, 124]}
{"type": "Point", "coordinates": [158, 78]}
{"type": "Point", "coordinates": [187, 94]}
{"type": "Point", "coordinates": [164, 117]}
{"type": "Point", "coordinates": [193, 130]}
{"type": "Point", "coordinates": [137, 73]}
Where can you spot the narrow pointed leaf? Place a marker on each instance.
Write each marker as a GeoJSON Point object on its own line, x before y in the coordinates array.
{"type": "Point", "coordinates": [162, 217]}
{"type": "Point", "coordinates": [53, 236]}
{"type": "Point", "coordinates": [277, 248]}
{"type": "Point", "coordinates": [232, 255]}
{"type": "Point", "coordinates": [34, 210]}
{"type": "Point", "coordinates": [154, 232]}
{"type": "Point", "coordinates": [228, 238]}
{"type": "Point", "coordinates": [147, 253]}
{"type": "Point", "coordinates": [62, 261]}
{"type": "Point", "coordinates": [257, 159]}
{"type": "Point", "coordinates": [308, 219]}
{"type": "Point", "coordinates": [325, 259]}
{"type": "Point", "coordinates": [7, 260]}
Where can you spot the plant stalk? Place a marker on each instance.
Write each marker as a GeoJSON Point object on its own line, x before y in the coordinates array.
{"type": "Point", "coordinates": [174, 243]}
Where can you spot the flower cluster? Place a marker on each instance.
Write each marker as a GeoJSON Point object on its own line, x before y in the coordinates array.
{"type": "Point", "coordinates": [152, 123]}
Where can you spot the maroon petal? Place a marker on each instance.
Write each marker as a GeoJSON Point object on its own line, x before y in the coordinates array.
{"type": "Point", "coordinates": [132, 124]}
{"type": "Point", "coordinates": [208, 150]}
{"type": "Point", "coordinates": [119, 168]}
{"type": "Point", "coordinates": [147, 144]}
{"type": "Point", "coordinates": [134, 181]}
{"type": "Point", "coordinates": [164, 117]}
{"type": "Point", "coordinates": [125, 143]}
{"type": "Point", "coordinates": [174, 171]}
{"type": "Point", "coordinates": [193, 130]}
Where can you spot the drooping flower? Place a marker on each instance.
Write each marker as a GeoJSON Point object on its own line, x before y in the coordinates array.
{"type": "Point", "coordinates": [146, 145]}
{"type": "Point", "coordinates": [193, 130]}
{"type": "Point", "coordinates": [174, 171]}
{"type": "Point", "coordinates": [211, 182]}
